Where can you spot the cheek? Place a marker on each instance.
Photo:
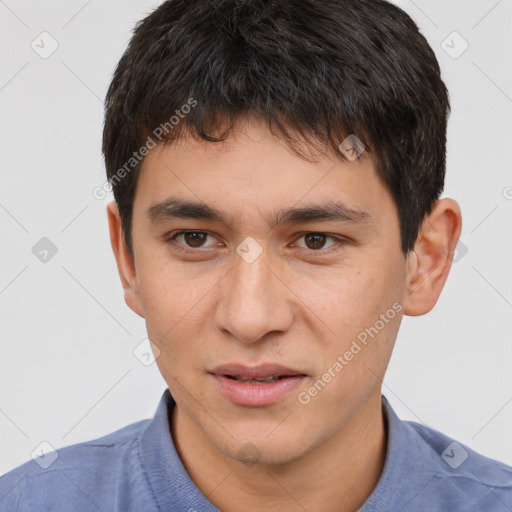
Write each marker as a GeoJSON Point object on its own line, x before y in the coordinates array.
{"type": "Point", "coordinates": [170, 302]}
{"type": "Point", "coordinates": [347, 306]}
{"type": "Point", "coordinates": [167, 289]}
{"type": "Point", "coordinates": [178, 306]}
{"type": "Point", "coordinates": [342, 299]}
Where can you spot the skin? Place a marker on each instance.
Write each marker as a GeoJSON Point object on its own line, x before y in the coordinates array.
{"type": "Point", "coordinates": [298, 304]}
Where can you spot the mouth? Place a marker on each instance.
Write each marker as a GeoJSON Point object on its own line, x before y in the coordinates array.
{"type": "Point", "coordinates": [261, 380]}
{"type": "Point", "coordinates": [257, 386]}
{"type": "Point", "coordinates": [261, 374]}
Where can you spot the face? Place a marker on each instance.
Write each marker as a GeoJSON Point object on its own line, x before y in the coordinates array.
{"type": "Point", "coordinates": [268, 272]}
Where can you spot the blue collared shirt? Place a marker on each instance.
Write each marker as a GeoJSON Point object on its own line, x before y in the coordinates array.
{"type": "Point", "coordinates": [137, 468]}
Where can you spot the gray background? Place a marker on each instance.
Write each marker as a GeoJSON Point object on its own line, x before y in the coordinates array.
{"type": "Point", "coordinates": [67, 368]}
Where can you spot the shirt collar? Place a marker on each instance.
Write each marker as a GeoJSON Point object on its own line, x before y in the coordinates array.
{"type": "Point", "coordinates": [172, 486]}
{"type": "Point", "coordinates": [395, 464]}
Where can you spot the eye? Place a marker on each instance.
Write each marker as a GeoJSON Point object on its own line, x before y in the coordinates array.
{"type": "Point", "coordinates": [316, 241]}
{"type": "Point", "coordinates": [192, 239]}
{"type": "Point", "coordinates": [313, 241]}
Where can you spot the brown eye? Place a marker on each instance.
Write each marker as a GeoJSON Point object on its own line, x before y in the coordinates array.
{"type": "Point", "coordinates": [315, 241]}
{"type": "Point", "coordinates": [194, 238]}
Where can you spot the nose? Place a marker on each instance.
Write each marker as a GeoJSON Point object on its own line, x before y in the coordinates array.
{"type": "Point", "coordinates": [254, 301]}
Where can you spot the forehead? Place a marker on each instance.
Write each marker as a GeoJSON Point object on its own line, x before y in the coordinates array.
{"type": "Point", "coordinates": [253, 170]}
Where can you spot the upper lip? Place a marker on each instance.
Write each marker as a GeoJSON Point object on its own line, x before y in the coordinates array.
{"type": "Point", "coordinates": [252, 372]}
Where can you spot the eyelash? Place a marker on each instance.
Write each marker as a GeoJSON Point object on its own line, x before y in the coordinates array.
{"type": "Point", "coordinates": [340, 240]}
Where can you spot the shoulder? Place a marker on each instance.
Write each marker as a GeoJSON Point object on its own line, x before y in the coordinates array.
{"type": "Point", "coordinates": [428, 471]}
{"type": "Point", "coordinates": [83, 472]}
{"type": "Point", "coordinates": [460, 477]}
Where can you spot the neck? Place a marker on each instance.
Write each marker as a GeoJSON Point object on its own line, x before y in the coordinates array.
{"type": "Point", "coordinates": [339, 474]}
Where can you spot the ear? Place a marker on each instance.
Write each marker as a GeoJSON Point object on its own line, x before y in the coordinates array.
{"type": "Point", "coordinates": [430, 261]}
{"type": "Point", "coordinates": [124, 260]}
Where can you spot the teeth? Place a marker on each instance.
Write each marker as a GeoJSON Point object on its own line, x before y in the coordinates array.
{"type": "Point", "coordinates": [265, 379]}
{"type": "Point", "coordinates": [258, 380]}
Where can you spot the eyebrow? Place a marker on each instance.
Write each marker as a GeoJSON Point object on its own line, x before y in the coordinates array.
{"type": "Point", "coordinates": [173, 208]}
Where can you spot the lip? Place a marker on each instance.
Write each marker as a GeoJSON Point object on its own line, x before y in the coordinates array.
{"type": "Point", "coordinates": [252, 372]}
{"type": "Point", "coordinates": [256, 394]}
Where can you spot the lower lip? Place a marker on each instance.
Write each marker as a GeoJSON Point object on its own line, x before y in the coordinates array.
{"type": "Point", "coordinates": [244, 393]}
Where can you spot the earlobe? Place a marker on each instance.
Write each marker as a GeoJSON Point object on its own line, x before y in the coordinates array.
{"type": "Point", "coordinates": [125, 264]}
{"type": "Point", "coordinates": [429, 263]}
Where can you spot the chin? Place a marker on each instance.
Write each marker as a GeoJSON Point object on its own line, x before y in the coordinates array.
{"type": "Point", "coordinates": [278, 450]}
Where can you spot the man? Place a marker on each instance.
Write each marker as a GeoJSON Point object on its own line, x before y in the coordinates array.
{"type": "Point", "coordinates": [277, 168]}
